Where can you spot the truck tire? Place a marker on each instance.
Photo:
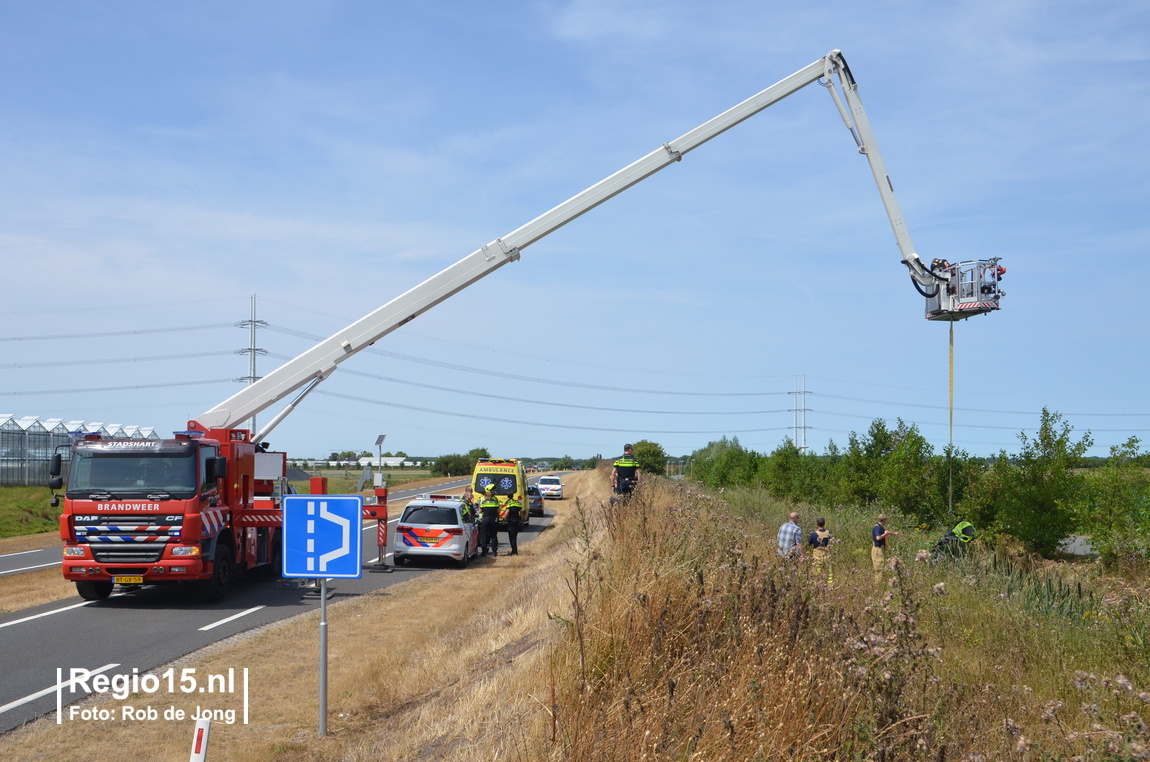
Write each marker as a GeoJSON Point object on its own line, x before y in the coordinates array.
{"type": "Point", "coordinates": [91, 590]}
{"type": "Point", "coordinates": [223, 574]}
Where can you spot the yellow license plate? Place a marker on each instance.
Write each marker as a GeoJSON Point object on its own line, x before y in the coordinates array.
{"type": "Point", "coordinates": [128, 580]}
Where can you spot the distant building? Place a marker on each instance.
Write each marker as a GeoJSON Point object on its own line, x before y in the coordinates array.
{"type": "Point", "coordinates": [28, 443]}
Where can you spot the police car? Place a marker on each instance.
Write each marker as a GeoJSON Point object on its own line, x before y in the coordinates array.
{"type": "Point", "coordinates": [551, 486]}
{"type": "Point", "coordinates": [432, 526]}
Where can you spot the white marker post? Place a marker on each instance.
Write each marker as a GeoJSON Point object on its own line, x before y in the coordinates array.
{"type": "Point", "coordinates": [200, 740]}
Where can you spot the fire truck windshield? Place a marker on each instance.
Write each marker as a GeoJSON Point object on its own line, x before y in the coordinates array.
{"type": "Point", "coordinates": [133, 472]}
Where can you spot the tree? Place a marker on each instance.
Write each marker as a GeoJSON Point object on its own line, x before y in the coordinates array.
{"type": "Point", "coordinates": [724, 464]}
{"type": "Point", "coordinates": [781, 471]}
{"type": "Point", "coordinates": [902, 477]}
{"type": "Point", "coordinates": [566, 463]}
{"type": "Point", "coordinates": [1039, 492]}
{"type": "Point", "coordinates": [452, 465]}
{"type": "Point", "coordinates": [651, 457]}
{"type": "Point", "coordinates": [1115, 506]}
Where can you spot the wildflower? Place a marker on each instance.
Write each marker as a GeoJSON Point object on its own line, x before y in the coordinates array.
{"type": "Point", "coordinates": [1027, 690]}
{"type": "Point", "coordinates": [922, 555]}
{"type": "Point", "coordinates": [1002, 596]}
{"type": "Point", "coordinates": [1134, 722]}
{"type": "Point", "coordinates": [940, 588]}
{"type": "Point", "coordinates": [1011, 726]}
{"type": "Point", "coordinates": [1090, 709]}
{"type": "Point", "coordinates": [1049, 709]}
{"type": "Point", "coordinates": [1144, 697]}
{"type": "Point", "coordinates": [1023, 744]}
{"type": "Point", "coordinates": [1124, 683]}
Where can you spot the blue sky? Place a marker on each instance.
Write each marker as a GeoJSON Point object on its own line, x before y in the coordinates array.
{"type": "Point", "coordinates": [160, 163]}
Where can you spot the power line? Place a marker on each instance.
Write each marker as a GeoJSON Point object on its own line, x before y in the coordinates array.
{"type": "Point", "coordinates": [113, 388]}
{"type": "Point", "coordinates": [472, 416]}
{"type": "Point", "coordinates": [109, 360]}
{"type": "Point", "coordinates": [530, 379]}
{"type": "Point", "coordinates": [473, 393]}
{"type": "Point", "coordinates": [105, 334]}
{"type": "Point", "coordinates": [969, 409]}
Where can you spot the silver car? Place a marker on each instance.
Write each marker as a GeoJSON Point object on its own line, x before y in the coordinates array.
{"type": "Point", "coordinates": [432, 526]}
{"type": "Point", "coordinates": [534, 500]}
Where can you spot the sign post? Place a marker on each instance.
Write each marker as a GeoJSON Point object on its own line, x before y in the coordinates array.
{"type": "Point", "coordinates": [322, 538]}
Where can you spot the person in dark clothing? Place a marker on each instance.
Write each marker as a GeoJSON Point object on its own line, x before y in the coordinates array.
{"type": "Point", "coordinates": [878, 535]}
{"type": "Point", "coordinates": [489, 515]}
{"type": "Point", "coordinates": [514, 518]}
{"type": "Point", "coordinates": [625, 474]}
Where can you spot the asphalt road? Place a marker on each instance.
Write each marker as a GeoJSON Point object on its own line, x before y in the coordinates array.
{"type": "Point", "coordinates": [134, 632]}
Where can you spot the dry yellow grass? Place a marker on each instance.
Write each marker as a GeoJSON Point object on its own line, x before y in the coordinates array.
{"type": "Point", "coordinates": [453, 665]}
{"type": "Point", "coordinates": [29, 542]}
{"type": "Point", "coordinates": [668, 629]}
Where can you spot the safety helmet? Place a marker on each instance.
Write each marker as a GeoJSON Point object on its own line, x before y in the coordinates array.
{"type": "Point", "coordinates": [489, 488]}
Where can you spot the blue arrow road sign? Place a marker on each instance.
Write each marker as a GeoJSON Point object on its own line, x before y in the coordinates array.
{"type": "Point", "coordinates": [322, 536]}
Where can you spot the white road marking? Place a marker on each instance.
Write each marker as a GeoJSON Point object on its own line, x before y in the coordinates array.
{"type": "Point", "coordinates": [232, 618]}
{"type": "Point", "coordinates": [21, 553]}
{"type": "Point", "coordinates": [30, 568]}
{"type": "Point", "coordinates": [53, 689]}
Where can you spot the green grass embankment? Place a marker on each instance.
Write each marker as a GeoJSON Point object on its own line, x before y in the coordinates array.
{"type": "Point", "coordinates": [27, 510]}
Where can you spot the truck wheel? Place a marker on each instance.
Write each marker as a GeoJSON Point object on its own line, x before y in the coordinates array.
{"type": "Point", "coordinates": [94, 591]}
{"type": "Point", "coordinates": [223, 574]}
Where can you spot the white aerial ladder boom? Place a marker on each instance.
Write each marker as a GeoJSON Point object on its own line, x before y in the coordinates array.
{"type": "Point", "coordinates": [319, 362]}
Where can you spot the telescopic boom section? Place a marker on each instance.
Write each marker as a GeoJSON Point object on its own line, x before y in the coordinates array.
{"type": "Point", "coordinates": [319, 362]}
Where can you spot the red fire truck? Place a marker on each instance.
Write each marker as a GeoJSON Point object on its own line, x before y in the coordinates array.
{"type": "Point", "coordinates": [199, 507]}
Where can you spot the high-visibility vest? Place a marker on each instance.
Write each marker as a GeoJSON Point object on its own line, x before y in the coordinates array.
{"type": "Point", "coordinates": [625, 467]}
{"type": "Point", "coordinates": [489, 508]}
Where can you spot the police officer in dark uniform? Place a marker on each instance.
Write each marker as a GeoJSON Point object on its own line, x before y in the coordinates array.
{"type": "Point", "coordinates": [625, 474]}
{"type": "Point", "coordinates": [514, 517]}
{"type": "Point", "coordinates": [489, 516]}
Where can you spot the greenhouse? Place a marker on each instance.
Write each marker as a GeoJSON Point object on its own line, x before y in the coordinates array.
{"type": "Point", "coordinates": [27, 444]}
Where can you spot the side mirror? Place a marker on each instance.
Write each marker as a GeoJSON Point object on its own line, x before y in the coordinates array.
{"type": "Point", "coordinates": [56, 482]}
{"type": "Point", "coordinates": [217, 468]}
{"type": "Point", "coordinates": [54, 468]}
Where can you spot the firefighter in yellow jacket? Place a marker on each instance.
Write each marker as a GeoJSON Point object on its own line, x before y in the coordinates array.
{"type": "Point", "coordinates": [820, 542]}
